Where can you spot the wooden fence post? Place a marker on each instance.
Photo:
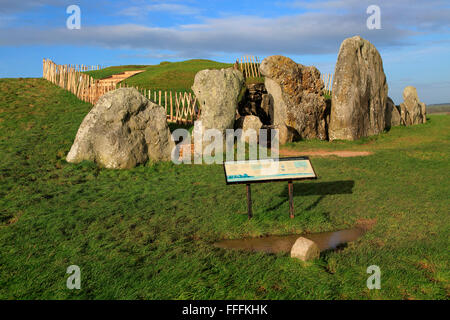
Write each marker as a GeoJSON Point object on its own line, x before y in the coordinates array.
{"type": "Point", "coordinates": [259, 64]}
{"type": "Point", "coordinates": [165, 100]}
{"type": "Point", "coordinates": [171, 107]}
{"type": "Point", "coordinates": [253, 66]}
{"type": "Point", "coordinates": [247, 66]}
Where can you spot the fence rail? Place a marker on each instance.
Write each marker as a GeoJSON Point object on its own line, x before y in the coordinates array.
{"type": "Point", "coordinates": [249, 66]}
{"type": "Point", "coordinates": [181, 107]}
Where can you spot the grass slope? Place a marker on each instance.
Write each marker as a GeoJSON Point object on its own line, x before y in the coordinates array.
{"type": "Point", "coordinates": [145, 233]}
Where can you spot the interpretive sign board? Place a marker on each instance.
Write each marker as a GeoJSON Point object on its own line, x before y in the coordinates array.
{"type": "Point", "coordinates": [267, 170]}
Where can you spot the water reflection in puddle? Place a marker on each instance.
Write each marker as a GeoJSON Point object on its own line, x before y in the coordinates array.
{"type": "Point", "coordinates": [276, 244]}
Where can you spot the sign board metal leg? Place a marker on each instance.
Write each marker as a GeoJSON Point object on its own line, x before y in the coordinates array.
{"type": "Point", "coordinates": [249, 201]}
{"type": "Point", "coordinates": [291, 199]}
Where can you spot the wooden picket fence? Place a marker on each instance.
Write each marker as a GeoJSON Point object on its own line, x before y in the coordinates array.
{"type": "Point", "coordinates": [181, 107]}
{"type": "Point", "coordinates": [72, 79]}
{"type": "Point", "coordinates": [328, 82]}
{"type": "Point", "coordinates": [249, 66]}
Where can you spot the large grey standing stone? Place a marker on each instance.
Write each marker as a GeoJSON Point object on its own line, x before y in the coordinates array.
{"type": "Point", "coordinates": [412, 110]}
{"type": "Point", "coordinates": [392, 114]}
{"type": "Point", "coordinates": [359, 91]}
{"type": "Point", "coordinates": [298, 102]}
{"type": "Point", "coordinates": [217, 92]}
{"type": "Point", "coordinates": [122, 130]}
{"type": "Point", "coordinates": [305, 249]}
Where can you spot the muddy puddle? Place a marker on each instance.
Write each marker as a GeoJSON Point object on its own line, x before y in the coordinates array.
{"type": "Point", "coordinates": [283, 244]}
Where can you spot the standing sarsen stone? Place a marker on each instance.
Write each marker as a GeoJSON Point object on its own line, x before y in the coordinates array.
{"type": "Point", "coordinates": [217, 92]}
{"type": "Point", "coordinates": [359, 91]}
{"type": "Point", "coordinates": [298, 102]}
{"type": "Point", "coordinates": [392, 114]}
{"type": "Point", "coordinates": [412, 110]}
{"type": "Point", "coordinates": [122, 130]}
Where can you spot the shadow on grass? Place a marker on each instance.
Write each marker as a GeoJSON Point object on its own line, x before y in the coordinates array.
{"type": "Point", "coordinates": [321, 189]}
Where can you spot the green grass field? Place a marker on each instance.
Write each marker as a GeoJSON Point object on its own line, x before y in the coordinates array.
{"type": "Point", "coordinates": [146, 233]}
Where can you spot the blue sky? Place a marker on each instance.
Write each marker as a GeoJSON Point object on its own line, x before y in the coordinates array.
{"type": "Point", "coordinates": [414, 39]}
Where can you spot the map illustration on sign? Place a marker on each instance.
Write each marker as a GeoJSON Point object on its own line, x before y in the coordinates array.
{"type": "Point", "coordinates": [268, 170]}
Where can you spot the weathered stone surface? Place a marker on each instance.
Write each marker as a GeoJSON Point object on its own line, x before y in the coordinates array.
{"type": "Point", "coordinates": [248, 123]}
{"type": "Point", "coordinates": [256, 102]}
{"type": "Point", "coordinates": [298, 102]}
{"type": "Point", "coordinates": [412, 110]}
{"type": "Point", "coordinates": [217, 92]}
{"type": "Point", "coordinates": [424, 112]}
{"type": "Point", "coordinates": [359, 92]}
{"type": "Point", "coordinates": [279, 113]}
{"type": "Point", "coordinates": [404, 116]}
{"type": "Point", "coordinates": [392, 114]}
{"type": "Point", "coordinates": [122, 130]}
{"type": "Point", "coordinates": [267, 107]}
{"type": "Point", "coordinates": [305, 249]}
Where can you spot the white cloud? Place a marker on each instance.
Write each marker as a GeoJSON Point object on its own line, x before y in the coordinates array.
{"type": "Point", "coordinates": [419, 28]}
{"type": "Point", "coordinates": [171, 8]}
{"type": "Point", "coordinates": [311, 33]}
{"type": "Point", "coordinates": [318, 32]}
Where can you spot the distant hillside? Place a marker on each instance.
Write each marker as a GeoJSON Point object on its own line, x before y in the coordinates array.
{"type": "Point", "coordinates": [438, 108]}
{"type": "Point", "coordinates": [439, 105]}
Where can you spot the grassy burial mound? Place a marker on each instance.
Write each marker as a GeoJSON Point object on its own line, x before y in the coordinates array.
{"type": "Point", "coordinates": [176, 76]}
{"type": "Point", "coordinates": [167, 76]}
{"type": "Point", "coordinates": [147, 233]}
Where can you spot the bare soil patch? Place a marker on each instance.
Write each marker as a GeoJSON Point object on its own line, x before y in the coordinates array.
{"type": "Point", "coordinates": [116, 78]}
{"type": "Point", "coordinates": [186, 149]}
{"type": "Point", "coordinates": [325, 153]}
